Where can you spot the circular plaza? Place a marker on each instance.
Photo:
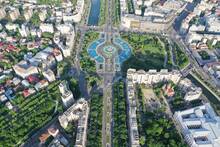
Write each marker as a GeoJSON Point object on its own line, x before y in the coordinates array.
{"type": "Point", "coordinates": [114, 53]}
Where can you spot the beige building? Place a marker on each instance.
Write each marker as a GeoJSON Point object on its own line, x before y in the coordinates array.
{"type": "Point", "coordinates": [14, 14]}
{"type": "Point", "coordinates": [28, 14]}
{"type": "Point", "coordinates": [2, 12]}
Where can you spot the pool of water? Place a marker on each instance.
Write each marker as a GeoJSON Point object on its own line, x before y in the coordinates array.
{"type": "Point", "coordinates": [125, 52]}
{"type": "Point", "coordinates": [92, 50]}
{"type": "Point", "coordinates": [94, 13]}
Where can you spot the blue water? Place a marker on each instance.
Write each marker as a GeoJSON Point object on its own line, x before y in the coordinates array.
{"type": "Point", "coordinates": [94, 13]}
{"type": "Point", "coordinates": [126, 50]}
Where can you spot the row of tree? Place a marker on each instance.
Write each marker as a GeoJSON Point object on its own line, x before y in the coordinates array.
{"type": "Point", "coordinates": [120, 133]}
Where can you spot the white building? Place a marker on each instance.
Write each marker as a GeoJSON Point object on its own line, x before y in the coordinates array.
{"type": "Point", "coordinates": [152, 76]}
{"type": "Point", "coordinates": [76, 16]}
{"type": "Point", "coordinates": [11, 26]}
{"type": "Point", "coordinates": [24, 31]}
{"type": "Point", "coordinates": [66, 94]}
{"type": "Point", "coordinates": [200, 126]}
{"type": "Point", "coordinates": [14, 14]}
{"type": "Point", "coordinates": [65, 28]}
{"type": "Point", "coordinates": [132, 108]}
{"type": "Point", "coordinates": [44, 27]}
{"type": "Point", "coordinates": [78, 111]}
{"type": "Point", "coordinates": [24, 69]}
{"type": "Point", "coordinates": [192, 92]}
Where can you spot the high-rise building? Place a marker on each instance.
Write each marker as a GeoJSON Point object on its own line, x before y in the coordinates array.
{"type": "Point", "coordinates": [66, 94]}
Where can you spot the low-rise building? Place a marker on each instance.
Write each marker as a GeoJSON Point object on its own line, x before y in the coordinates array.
{"type": "Point", "coordinates": [24, 69]}
{"type": "Point", "coordinates": [28, 14]}
{"type": "Point", "coordinates": [2, 12]}
{"type": "Point", "coordinates": [14, 14]}
{"type": "Point", "coordinates": [46, 27]}
{"type": "Point", "coordinates": [49, 75]}
{"type": "Point", "coordinates": [40, 85]}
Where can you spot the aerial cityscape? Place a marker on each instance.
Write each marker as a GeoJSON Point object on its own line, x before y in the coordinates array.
{"type": "Point", "coordinates": [109, 73]}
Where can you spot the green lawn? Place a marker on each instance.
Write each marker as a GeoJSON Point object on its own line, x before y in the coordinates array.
{"type": "Point", "coordinates": [147, 52]}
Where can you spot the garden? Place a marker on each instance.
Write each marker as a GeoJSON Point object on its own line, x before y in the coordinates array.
{"type": "Point", "coordinates": [147, 52]}
{"type": "Point", "coordinates": [181, 59]}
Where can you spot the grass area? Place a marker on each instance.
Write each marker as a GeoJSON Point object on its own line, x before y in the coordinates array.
{"type": "Point", "coordinates": [49, 2]}
{"type": "Point", "coordinates": [117, 13]}
{"type": "Point", "coordinates": [103, 11]}
{"type": "Point", "coordinates": [87, 64]}
{"type": "Point", "coordinates": [33, 113]}
{"type": "Point", "coordinates": [94, 135]}
{"type": "Point", "coordinates": [147, 52]}
{"type": "Point", "coordinates": [119, 104]}
{"type": "Point", "coordinates": [181, 58]}
{"type": "Point", "coordinates": [155, 128]}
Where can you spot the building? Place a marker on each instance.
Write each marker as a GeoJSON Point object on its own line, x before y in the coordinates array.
{"type": "Point", "coordinates": [200, 126]}
{"type": "Point", "coordinates": [132, 108]}
{"type": "Point", "coordinates": [192, 92]}
{"type": "Point", "coordinates": [24, 69]}
{"type": "Point", "coordinates": [24, 31]}
{"type": "Point", "coordinates": [66, 94]}
{"type": "Point", "coordinates": [213, 69]}
{"type": "Point", "coordinates": [41, 84]}
{"type": "Point", "coordinates": [28, 14]}
{"type": "Point", "coordinates": [43, 15]}
{"type": "Point", "coordinates": [78, 111]}
{"type": "Point", "coordinates": [11, 26]}
{"type": "Point", "coordinates": [49, 75]}
{"type": "Point", "coordinates": [2, 12]}
{"type": "Point", "coordinates": [156, 18]}
{"type": "Point", "coordinates": [46, 27]}
{"type": "Point", "coordinates": [65, 28]}
{"type": "Point", "coordinates": [152, 76]}
{"type": "Point", "coordinates": [14, 14]}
